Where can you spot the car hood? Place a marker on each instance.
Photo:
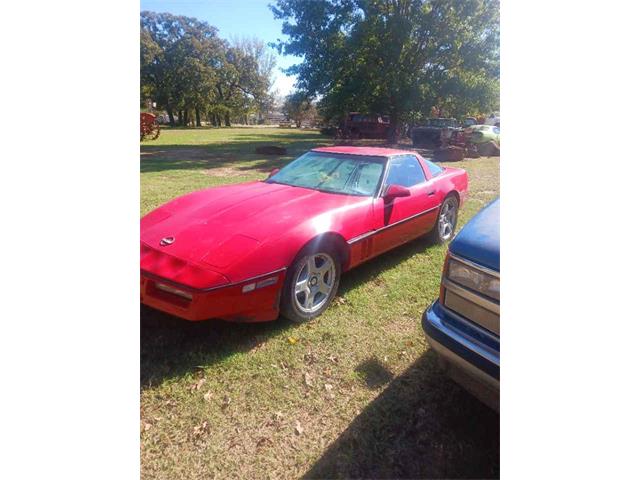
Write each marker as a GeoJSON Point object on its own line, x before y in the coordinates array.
{"type": "Point", "coordinates": [479, 240]}
{"type": "Point", "coordinates": [221, 225]}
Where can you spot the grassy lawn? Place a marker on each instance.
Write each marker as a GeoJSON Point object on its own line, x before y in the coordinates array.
{"type": "Point", "coordinates": [355, 393]}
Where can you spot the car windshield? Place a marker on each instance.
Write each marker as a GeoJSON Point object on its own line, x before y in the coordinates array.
{"type": "Point", "coordinates": [334, 173]}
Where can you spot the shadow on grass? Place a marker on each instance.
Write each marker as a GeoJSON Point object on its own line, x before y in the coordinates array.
{"type": "Point", "coordinates": [374, 373]}
{"type": "Point", "coordinates": [422, 426]}
{"type": "Point", "coordinates": [238, 152]}
{"type": "Point", "coordinates": [171, 347]}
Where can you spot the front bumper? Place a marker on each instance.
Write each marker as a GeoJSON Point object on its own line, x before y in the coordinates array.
{"type": "Point", "coordinates": [470, 353]}
{"type": "Point", "coordinates": [228, 302]}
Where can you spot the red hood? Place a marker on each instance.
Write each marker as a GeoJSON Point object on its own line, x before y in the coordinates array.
{"type": "Point", "coordinates": [221, 225]}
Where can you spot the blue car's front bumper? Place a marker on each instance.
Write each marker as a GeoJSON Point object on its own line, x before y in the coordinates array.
{"type": "Point", "coordinates": [472, 352]}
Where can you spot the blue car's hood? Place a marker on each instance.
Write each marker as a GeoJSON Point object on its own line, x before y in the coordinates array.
{"type": "Point", "coordinates": [479, 240]}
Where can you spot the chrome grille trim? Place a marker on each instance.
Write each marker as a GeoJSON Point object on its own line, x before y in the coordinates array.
{"type": "Point", "coordinates": [471, 296]}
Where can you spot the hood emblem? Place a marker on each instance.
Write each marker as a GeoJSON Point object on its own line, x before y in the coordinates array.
{"type": "Point", "coordinates": [167, 241]}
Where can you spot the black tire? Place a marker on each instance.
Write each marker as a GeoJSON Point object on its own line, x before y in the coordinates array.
{"type": "Point", "coordinates": [439, 235]}
{"type": "Point", "coordinates": [290, 308]}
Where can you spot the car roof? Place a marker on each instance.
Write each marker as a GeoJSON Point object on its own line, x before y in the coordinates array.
{"type": "Point", "coordinates": [368, 151]}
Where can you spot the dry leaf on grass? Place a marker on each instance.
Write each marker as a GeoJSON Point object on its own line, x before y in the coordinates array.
{"type": "Point", "coordinates": [307, 380]}
{"type": "Point", "coordinates": [226, 401]}
{"type": "Point", "coordinates": [292, 340]}
{"type": "Point", "coordinates": [201, 429]}
{"type": "Point", "coordinates": [298, 428]}
{"type": "Point", "coordinates": [262, 441]}
{"type": "Point", "coordinates": [198, 384]}
{"type": "Point", "coordinates": [208, 395]}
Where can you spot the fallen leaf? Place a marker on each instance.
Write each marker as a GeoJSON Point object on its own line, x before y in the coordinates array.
{"type": "Point", "coordinates": [298, 428]}
{"type": "Point", "coordinates": [341, 300]}
{"type": "Point", "coordinates": [328, 387]}
{"type": "Point", "coordinates": [307, 380]}
{"type": "Point", "coordinates": [292, 340]}
{"type": "Point", "coordinates": [333, 358]}
{"type": "Point", "coordinates": [198, 384]}
{"type": "Point", "coordinates": [147, 426]}
{"type": "Point", "coordinates": [226, 401]}
{"type": "Point", "coordinates": [201, 429]}
{"type": "Point", "coordinates": [262, 441]}
{"type": "Point", "coordinates": [208, 395]}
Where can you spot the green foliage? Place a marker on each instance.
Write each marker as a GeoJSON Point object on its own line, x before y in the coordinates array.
{"type": "Point", "coordinates": [186, 68]}
{"type": "Point", "coordinates": [299, 107]}
{"type": "Point", "coordinates": [395, 57]}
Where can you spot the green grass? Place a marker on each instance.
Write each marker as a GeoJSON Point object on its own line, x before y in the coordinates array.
{"type": "Point", "coordinates": [223, 400]}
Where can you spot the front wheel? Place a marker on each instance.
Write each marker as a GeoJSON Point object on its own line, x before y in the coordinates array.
{"type": "Point", "coordinates": [445, 225]}
{"type": "Point", "coordinates": [311, 285]}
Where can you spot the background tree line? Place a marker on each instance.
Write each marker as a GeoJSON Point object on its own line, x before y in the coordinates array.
{"type": "Point", "coordinates": [395, 57]}
{"type": "Point", "coordinates": [193, 74]}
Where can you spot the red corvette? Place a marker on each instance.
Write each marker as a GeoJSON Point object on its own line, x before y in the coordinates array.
{"type": "Point", "coordinates": [250, 251]}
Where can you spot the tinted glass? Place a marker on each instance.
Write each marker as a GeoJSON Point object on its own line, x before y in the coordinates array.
{"type": "Point", "coordinates": [433, 168]}
{"type": "Point", "coordinates": [333, 172]}
{"type": "Point", "coordinates": [405, 171]}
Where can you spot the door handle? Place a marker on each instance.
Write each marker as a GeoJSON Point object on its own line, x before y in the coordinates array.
{"type": "Point", "coordinates": [431, 194]}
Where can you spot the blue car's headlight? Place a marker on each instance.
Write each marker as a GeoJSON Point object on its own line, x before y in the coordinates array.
{"type": "Point", "coordinates": [474, 279]}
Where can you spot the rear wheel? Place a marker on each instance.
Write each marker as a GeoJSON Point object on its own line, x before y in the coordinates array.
{"type": "Point", "coordinates": [445, 226]}
{"type": "Point", "coordinates": [311, 285]}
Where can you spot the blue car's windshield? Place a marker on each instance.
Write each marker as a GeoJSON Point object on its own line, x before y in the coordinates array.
{"type": "Point", "coordinates": [333, 172]}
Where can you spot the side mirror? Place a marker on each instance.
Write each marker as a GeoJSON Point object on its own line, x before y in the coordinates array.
{"type": "Point", "coordinates": [395, 191]}
{"type": "Point", "coordinates": [273, 172]}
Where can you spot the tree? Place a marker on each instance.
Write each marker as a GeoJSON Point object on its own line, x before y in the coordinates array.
{"type": "Point", "coordinates": [298, 107]}
{"type": "Point", "coordinates": [397, 57]}
{"type": "Point", "coordinates": [186, 68]}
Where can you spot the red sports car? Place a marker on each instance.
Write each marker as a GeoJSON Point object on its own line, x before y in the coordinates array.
{"type": "Point", "coordinates": [250, 251]}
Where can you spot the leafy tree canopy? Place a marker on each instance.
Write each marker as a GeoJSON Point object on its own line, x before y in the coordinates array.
{"type": "Point", "coordinates": [396, 57]}
{"type": "Point", "coordinates": [186, 67]}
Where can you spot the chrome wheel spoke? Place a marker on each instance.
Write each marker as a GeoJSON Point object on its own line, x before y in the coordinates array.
{"type": "Point", "coordinates": [308, 301]}
{"type": "Point", "coordinates": [324, 288]}
{"type": "Point", "coordinates": [302, 286]}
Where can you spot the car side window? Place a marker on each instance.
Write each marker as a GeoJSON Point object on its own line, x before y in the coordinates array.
{"type": "Point", "coordinates": [434, 169]}
{"type": "Point", "coordinates": [405, 171]}
{"type": "Point", "coordinates": [496, 130]}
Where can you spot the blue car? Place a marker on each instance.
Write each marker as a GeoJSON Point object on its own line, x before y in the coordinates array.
{"type": "Point", "coordinates": [463, 325]}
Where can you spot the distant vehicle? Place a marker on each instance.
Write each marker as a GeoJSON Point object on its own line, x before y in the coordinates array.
{"type": "Point", "coordinates": [435, 133]}
{"type": "Point", "coordinates": [358, 125]}
{"type": "Point", "coordinates": [493, 119]}
{"type": "Point", "coordinates": [162, 119]}
{"type": "Point", "coordinates": [483, 134]}
{"type": "Point", "coordinates": [463, 325]}
{"type": "Point", "coordinates": [485, 139]}
{"type": "Point", "coordinates": [249, 251]}
{"type": "Point", "coordinates": [469, 121]}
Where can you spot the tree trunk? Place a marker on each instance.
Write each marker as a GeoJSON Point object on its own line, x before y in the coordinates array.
{"type": "Point", "coordinates": [393, 128]}
{"type": "Point", "coordinates": [180, 118]}
{"type": "Point", "coordinates": [172, 121]}
{"type": "Point", "coordinates": [227, 120]}
{"type": "Point", "coordinates": [198, 124]}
